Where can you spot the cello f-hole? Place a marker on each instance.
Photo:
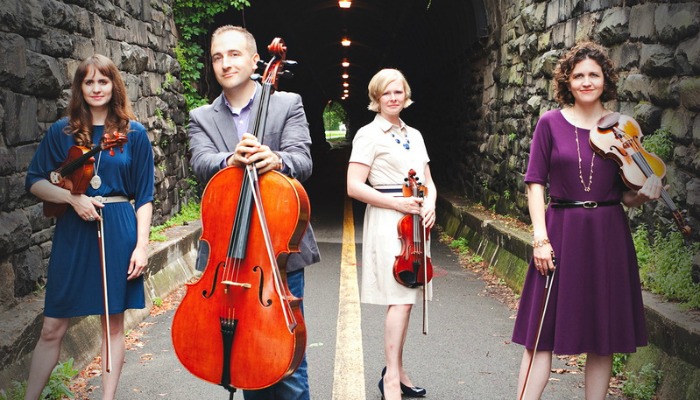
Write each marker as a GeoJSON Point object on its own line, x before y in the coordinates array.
{"type": "Point", "coordinates": [264, 303]}
{"type": "Point", "coordinates": [208, 293]}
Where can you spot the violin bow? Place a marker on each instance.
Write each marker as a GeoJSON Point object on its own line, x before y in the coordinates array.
{"type": "Point", "coordinates": [105, 297]}
{"type": "Point", "coordinates": [545, 301]}
{"type": "Point", "coordinates": [425, 284]}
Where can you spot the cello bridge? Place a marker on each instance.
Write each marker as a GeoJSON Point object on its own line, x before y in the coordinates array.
{"type": "Point", "coordinates": [243, 285]}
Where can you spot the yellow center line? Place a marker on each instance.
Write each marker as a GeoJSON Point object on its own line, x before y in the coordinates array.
{"type": "Point", "coordinates": [348, 371]}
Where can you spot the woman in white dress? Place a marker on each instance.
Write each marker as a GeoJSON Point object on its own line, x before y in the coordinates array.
{"type": "Point", "coordinates": [383, 152]}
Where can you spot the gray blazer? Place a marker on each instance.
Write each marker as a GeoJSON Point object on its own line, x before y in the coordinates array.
{"type": "Point", "coordinates": [213, 138]}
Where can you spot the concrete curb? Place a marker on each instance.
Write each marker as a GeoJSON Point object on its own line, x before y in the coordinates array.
{"type": "Point", "coordinates": [171, 263]}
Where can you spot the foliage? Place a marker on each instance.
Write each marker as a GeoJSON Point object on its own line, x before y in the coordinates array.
{"type": "Point", "coordinates": [660, 143]}
{"type": "Point", "coordinates": [333, 115]}
{"type": "Point", "coordinates": [190, 212]}
{"type": "Point", "coordinates": [642, 386]}
{"type": "Point", "coordinates": [193, 19]}
{"type": "Point", "coordinates": [460, 244]}
{"type": "Point", "coordinates": [55, 389]}
{"type": "Point", "coordinates": [665, 265]}
{"type": "Point", "coordinates": [16, 393]}
{"type": "Point", "coordinates": [619, 360]}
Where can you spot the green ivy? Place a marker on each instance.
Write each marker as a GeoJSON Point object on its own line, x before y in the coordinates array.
{"type": "Point", "coordinates": [193, 19]}
{"type": "Point", "coordinates": [665, 265]}
{"type": "Point", "coordinates": [660, 143]}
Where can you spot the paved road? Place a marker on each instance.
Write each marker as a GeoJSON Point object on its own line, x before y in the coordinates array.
{"type": "Point", "coordinates": [466, 355]}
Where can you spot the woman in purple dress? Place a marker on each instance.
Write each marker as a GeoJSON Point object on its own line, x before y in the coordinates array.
{"type": "Point", "coordinates": [595, 305]}
{"type": "Point", "coordinates": [122, 190]}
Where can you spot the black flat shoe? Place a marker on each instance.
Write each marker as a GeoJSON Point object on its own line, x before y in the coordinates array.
{"type": "Point", "coordinates": [381, 386]}
{"type": "Point", "coordinates": [408, 391]}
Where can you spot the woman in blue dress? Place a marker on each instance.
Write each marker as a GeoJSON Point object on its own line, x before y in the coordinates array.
{"type": "Point", "coordinates": [119, 196]}
{"type": "Point", "coordinates": [595, 305]}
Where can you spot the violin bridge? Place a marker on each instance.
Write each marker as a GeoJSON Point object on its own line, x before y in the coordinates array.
{"type": "Point", "coordinates": [243, 285]}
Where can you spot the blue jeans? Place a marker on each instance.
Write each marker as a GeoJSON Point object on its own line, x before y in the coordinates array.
{"type": "Point", "coordinates": [295, 386]}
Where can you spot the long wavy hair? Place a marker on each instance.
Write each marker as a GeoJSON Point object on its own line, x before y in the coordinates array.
{"type": "Point", "coordinates": [119, 108]}
{"type": "Point", "coordinates": [566, 65]}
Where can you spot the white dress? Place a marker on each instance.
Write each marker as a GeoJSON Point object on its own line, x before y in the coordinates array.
{"type": "Point", "coordinates": [389, 164]}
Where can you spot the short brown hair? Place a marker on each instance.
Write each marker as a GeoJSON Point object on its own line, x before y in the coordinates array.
{"type": "Point", "coordinates": [250, 39]}
{"type": "Point", "coordinates": [568, 62]}
{"type": "Point", "coordinates": [379, 82]}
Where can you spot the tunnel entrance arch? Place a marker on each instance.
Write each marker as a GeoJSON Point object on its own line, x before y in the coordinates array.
{"type": "Point", "coordinates": [335, 121]}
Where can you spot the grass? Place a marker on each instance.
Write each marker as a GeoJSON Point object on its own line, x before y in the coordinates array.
{"type": "Point", "coordinates": [190, 212]}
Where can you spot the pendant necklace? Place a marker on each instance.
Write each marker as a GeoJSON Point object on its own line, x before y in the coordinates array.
{"type": "Point", "coordinates": [406, 145]}
{"type": "Point", "coordinates": [586, 188]}
{"type": "Point", "coordinates": [96, 181]}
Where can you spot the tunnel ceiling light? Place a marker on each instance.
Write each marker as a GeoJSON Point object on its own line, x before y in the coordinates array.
{"type": "Point", "coordinates": [344, 3]}
{"type": "Point", "coordinates": [346, 91]}
{"type": "Point", "coordinates": [345, 75]}
{"type": "Point", "coordinates": [345, 84]}
{"type": "Point", "coordinates": [345, 42]}
{"type": "Point", "coordinates": [345, 63]}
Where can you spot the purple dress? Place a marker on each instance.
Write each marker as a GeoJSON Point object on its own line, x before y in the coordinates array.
{"type": "Point", "coordinates": [596, 300]}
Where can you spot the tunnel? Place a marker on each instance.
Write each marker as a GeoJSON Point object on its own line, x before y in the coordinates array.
{"type": "Point", "coordinates": [420, 38]}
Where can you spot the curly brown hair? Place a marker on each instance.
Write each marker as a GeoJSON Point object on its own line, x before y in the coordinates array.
{"type": "Point", "coordinates": [79, 115]}
{"type": "Point", "coordinates": [566, 65]}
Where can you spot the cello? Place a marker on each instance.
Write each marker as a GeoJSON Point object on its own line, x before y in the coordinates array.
{"type": "Point", "coordinates": [413, 267]}
{"type": "Point", "coordinates": [239, 326]}
{"type": "Point", "coordinates": [618, 137]}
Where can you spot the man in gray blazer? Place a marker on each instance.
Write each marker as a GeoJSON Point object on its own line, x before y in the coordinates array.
{"type": "Point", "coordinates": [219, 138]}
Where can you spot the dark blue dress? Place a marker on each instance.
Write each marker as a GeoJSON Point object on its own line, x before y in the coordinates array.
{"type": "Point", "coordinates": [74, 286]}
{"type": "Point", "coordinates": [596, 299]}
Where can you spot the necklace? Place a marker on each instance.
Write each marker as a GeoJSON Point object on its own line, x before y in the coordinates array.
{"type": "Point", "coordinates": [96, 181]}
{"type": "Point", "coordinates": [580, 171]}
{"type": "Point", "coordinates": [406, 145]}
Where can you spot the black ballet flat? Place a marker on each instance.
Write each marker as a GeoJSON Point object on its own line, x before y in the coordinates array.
{"type": "Point", "coordinates": [381, 386]}
{"type": "Point", "coordinates": [408, 391]}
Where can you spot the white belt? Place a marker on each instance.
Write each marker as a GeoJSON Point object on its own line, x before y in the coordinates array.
{"type": "Point", "coordinates": [111, 199]}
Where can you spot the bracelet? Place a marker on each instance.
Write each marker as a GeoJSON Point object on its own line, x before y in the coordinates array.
{"type": "Point", "coordinates": [540, 243]}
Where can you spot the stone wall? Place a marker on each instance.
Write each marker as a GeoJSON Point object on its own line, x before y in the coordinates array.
{"type": "Point", "coordinates": [42, 42]}
{"type": "Point", "coordinates": [488, 124]}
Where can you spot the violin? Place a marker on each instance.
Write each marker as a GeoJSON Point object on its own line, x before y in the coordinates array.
{"type": "Point", "coordinates": [619, 137]}
{"type": "Point", "coordinates": [239, 326]}
{"type": "Point", "coordinates": [413, 267]}
{"type": "Point", "coordinates": [75, 172]}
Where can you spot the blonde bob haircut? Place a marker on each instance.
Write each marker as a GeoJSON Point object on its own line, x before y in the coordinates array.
{"type": "Point", "coordinates": [378, 84]}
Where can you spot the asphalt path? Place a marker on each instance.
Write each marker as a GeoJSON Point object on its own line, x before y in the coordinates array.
{"type": "Point", "coordinates": [467, 353]}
